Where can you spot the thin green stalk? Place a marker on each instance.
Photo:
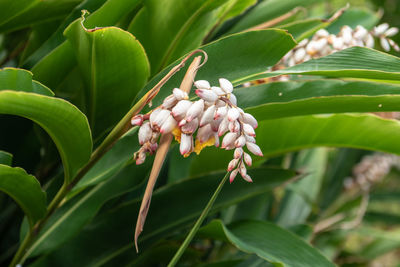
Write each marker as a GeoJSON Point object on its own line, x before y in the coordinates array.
{"type": "Point", "coordinates": [198, 223]}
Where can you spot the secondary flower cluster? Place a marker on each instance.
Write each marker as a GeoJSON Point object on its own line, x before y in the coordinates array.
{"type": "Point", "coordinates": [200, 123]}
{"type": "Point", "coordinates": [323, 43]}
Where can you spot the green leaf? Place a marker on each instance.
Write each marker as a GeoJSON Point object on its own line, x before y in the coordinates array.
{"type": "Point", "coordinates": [354, 62]}
{"type": "Point", "coordinates": [268, 10]}
{"type": "Point", "coordinates": [354, 17]}
{"type": "Point", "coordinates": [269, 242]}
{"type": "Point", "coordinates": [25, 190]}
{"type": "Point", "coordinates": [110, 89]}
{"type": "Point", "coordinates": [65, 124]}
{"type": "Point", "coordinates": [167, 213]}
{"type": "Point", "coordinates": [285, 99]}
{"type": "Point", "coordinates": [21, 80]}
{"type": "Point", "coordinates": [279, 136]}
{"type": "Point", "coordinates": [301, 197]}
{"type": "Point", "coordinates": [37, 12]}
{"type": "Point", "coordinates": [10, 8]}
{"type": "Point", "coordinates": [305, 28]}
{"type": "Point", "coordinates": [257, 50]}
{"type": "Point", "coordinates": [5, 158]}
{"type": "Point", "coordinates": [179, 26]}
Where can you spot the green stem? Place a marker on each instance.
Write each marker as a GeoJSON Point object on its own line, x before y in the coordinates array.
{"type": "Point", "coordinates": [198, 223]}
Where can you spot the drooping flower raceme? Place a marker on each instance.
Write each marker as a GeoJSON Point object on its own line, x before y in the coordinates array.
{"type": "Point", "coordinates": [200, 123]}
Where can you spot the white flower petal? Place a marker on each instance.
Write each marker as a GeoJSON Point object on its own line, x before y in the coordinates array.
{"type": "Point", "coordinates": [208, 115]}
{"type": "Point", "coordinates": [233, 114]}
{"type": "Point", "coordinates": [186, 144]}
{"type": "Point", "coordinates": [207, 95]}
{"type": "Point", "coordinates": [179, 94]}
{"type": "Point", "coordinates": [179, 111]}
{"type": "Point", "coordinates": [226, 85]}
{"type": "Point", "coordinates": [195, 110]}
{"type": "Point", "coordinates": [253, 148]}
{"type": "Point", "coordinates": [229, 140]}
{"type": "Point", "coordinates": [202, 84]}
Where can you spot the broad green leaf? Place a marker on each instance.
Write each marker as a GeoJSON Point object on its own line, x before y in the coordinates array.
{"type": "Point", "coordinates": [279, 136]}
{"type": "Point", "coordinates": [75, 214]}
{"type": "Point", "coordinates": [234, 8]}
{"type": "Point", "coordinates": [268, 10]}
{"type": "Point", "coordinates": [305, 28]}
{"type": "Point", "coordinates": [257, 50]}
{"type": "Point", "coordinates": [301, 197]}
{"type": "Point", "coordinates": [270, 242]}
{"type": "Point", "coordinates": [11, 8]}
{"type": "Point", "coordinates": [65, 124]}
{"type": "Point", "coordinates": [168, 213]}
{"type": "Point", "coordinates": [286, 99]}
{"type": "Point", "coordinates": [39, 11]}
{"type": "Point", "coordinates": [21, 80]}
{"type": "Point", "coordinates": [178, 25]}
{"type": "Point", "coordinates": [25, 190]}
{"type": "Point", "coordinates": [354, 17]}
{"type": "Point", "coordinates": [109, 89]}
{"type": "Point", "coordinates": [5, 158]}
{"type": "Point", "coordinates": [354, 62]}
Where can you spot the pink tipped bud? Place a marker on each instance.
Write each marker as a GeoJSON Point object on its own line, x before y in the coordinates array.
{"type": "Point", "coordinates": [202, 84]}
{"type": "Point", "coordinates": [385, 44]}
{"type": "Point", "coordinates": [247, 159]}
{"type": "Point", "coordinates": [226, 85]}
{"type": "Point", "coordinates": [232, 164]}
{"type": "Point", "coordinates": [234, 126]}
{"type": "Point", "coordinates": [221, 112]}
{"type": "Point", "coordinates": [216, 138]}
{"type": "Point", "coordinates": [190, 127]}
{"type": "Point", "coordinates": [250, 139]}
{"type": "Point", "coordinates": [247, 178]}
{"type": "Point", "coordinates": [181, 108]}
{"type": "Point", "coordinates": [182, 122]}
{"type": "Point", "coordinates": [255, 149]}
{"type": "Point", "coordinates": [217, 90]}
{"type": "Point", "coordinates": [233, 175]}
{"type": "Point", "coordinates": [137, 120]}
{"type": "Point", "coordinates": [179, 94]}
{"type": "Point", "coordinates": [207, 95]}
{"type": "Point", "coordinates": [204, 133]}
{"type": "Point", "coordinates": [240, 142]}
{"type": "Point", "coordinates": [242, 170]}
{"type": "Point", "coordinates": [141, 158]}
{"type": "Point", "coordinates": [228, 140]}
{"type": "Point", "coordinates": [186, 144]}
{"type": "Point", "coordinates": [248, 129]}
{"type": "Point", "coordinates": [160, 118]}
{"type": "Point", "coordinates": [145, 133]}
{"type": "Point", "coordinates": [392, 31]}
{"type": "Point", "coordinates": [168, 125]}
{"type": "Point", "coordinates": [207, 116]}
{"type": "Point", "coordinates": [223, 127]}
{"type": "Point", "coordinates": [215, 124]}
{"type": "Point", "coordinates": [238, 153]}
{"type": "Point", "coordinates": [249, 119]}
{"type": "Point", "coordinates": [195, 110]}
{"type": "Point", "coordinates": [232, 99]}
{"type": "Point", "coordinates": [381, 29]}
{"type": "Point", "coordinates": [154, 115]}
{"type": "Point", "coordinates": [169, 102]}
{"type": "Point", "coordinates": [233, 114]}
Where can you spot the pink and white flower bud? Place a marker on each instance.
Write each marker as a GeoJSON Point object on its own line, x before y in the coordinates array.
{"type": "Point", "coordinates": [182, 122]}
{"type": "Point", "coordinates": [232, 99]}
{"type": "Point", "coordinates": [220, 104]}
{"type": "Point", "coordinates": [229, 140]}
{"type": "Point", "coordinates": [247, 178]}
{"type": "Point", "coordinates": [153, 115]}
{"type": "Point", "coordinates": [346, 33]}
{"type": "Point", "coordinates": [153, 147]}
{"type": "Point", "coordinates": [190, 127]}
{"type": "Point", "coordinates": [233, 175]}
{"type": "Point", "coordinates": [169, 102]}
{"type": "Point", "coordinates": [301, 53]}
{"type": "Point", "coordinates": [385, 44]}
{"type": "Point", "coordinates": [242, 170]}
{"type": "Point", "coordinates": [369, 41]}
{"type": "Point", "coordinates": [248, 130]}
{"type": "Point", "coordinates": [234, 126]}
{"type": "Point", "coordinates": [195, 110]}
{"type": "Point", "coordinates": [160, 118]}
{"type": "Point", "coordinates": [186, 144]}
{"type": "Point", "coordinates": [215, 124]}
{"type": "Point", "coordinates": [169, 124]}
{"type": "Point", "coordinates": [180, 110]}
{"type": "Point", "coordinates": [141, 158]}
{"type": "Point", "coordinates": [204, 133]}
{"type": "Point", "coordinates": [238, 153]}
{"type": "Point", "coordinates": [223, 127]}
{"type": "Point", "coordinates": [232, 164]}
{"type": "Point", "coordinates": [240, 142]}
{"type": "Point", "coordinates": [179, 94]}
{"type": "Point", "coordinates": [338, 43]}
{"type": "Point", "coordinates": [322, 33]}
{"type": "Point", "coordinates": [226, 85]}
{"type": "Point", "coordinates": [207, 95]}
{"type": "Point", "coordinates": [216, 138]}
{"type": "Point", "coordinates": [247, 159]}
{"type": "Point", "coordinates": [381, 29]}
{"type": "Point", "coordinates": [233, 114]}
{"type": "Point", "coordinates": [218, 91]}
{"type": "Point", "coordinates": [392, 31]}
{"type": "Point", "coordinates": [145, 133]}
{"type": "Point", "coordinates": [249, 119]}
{"type": "Point", "coordinates": [208, 115]}
{"type": "Point", "coordinates": [255, 149]}
{"type": "Point", "coordinates": [250, 139]}
{"type": "Point", "coordinates": [202, 84]}
{"type": "Point", "coordinates": [221, 112]}
{"type": "Point", "coordinates": [137, 120]}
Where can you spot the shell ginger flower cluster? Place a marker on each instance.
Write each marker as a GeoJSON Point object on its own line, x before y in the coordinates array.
{"type": "Point", "coordinates": [198, 124]}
